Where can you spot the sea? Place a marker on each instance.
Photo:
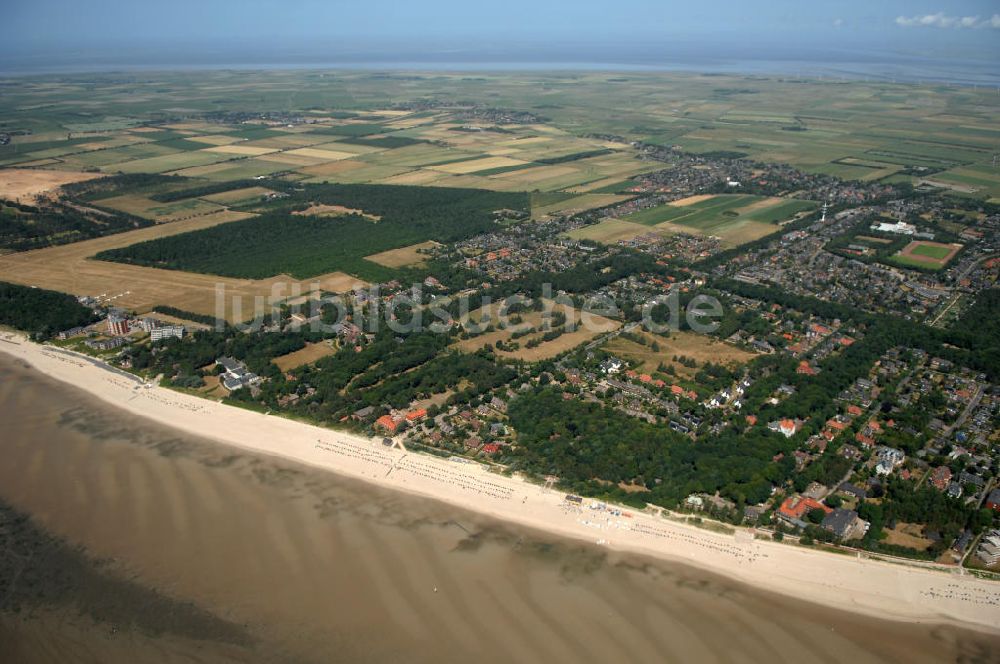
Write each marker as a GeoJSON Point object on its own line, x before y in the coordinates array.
{"type": "Point", "coordinates": [124, 541]}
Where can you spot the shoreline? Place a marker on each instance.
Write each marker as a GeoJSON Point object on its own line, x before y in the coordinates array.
{"type": "Point", "coordinates": [886, 590]}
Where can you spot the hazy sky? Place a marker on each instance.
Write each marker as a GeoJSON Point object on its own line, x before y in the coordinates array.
{"type": "Point", "coordinates": [36, 27]}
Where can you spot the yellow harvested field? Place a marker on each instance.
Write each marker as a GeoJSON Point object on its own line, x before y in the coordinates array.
{"type": "Point", "coordinates": [404, 256]}
{"type": "Point", "coordinates": [283, 142]}
{"type": "Point", "coordinates": [699, 347]}
{"type": "Point", "coordinates": [598, 184]}
{"type": "Point", "coordinates": [333, 211]}
{"type": "Point", "coordinates": [307, 355]}
{"type": "Point", "coordinates": [291, 159]}
{"type": "Point", "coordinates": [594, 326]}
{"type": "Point", "coordinates": [739, 232]}
{"type": "Point", "coordinates": [327, 155]}
{"type": "Point", "coordinates": [28, 185]}
{"type": "Point", "coordinates": [215, 139]}
{"type": "Point", "coordinates": [531, 140]}
{"type": "Point", "coordinates": [70, 269]}
{"type": "Point", "coordinates": [758, 205]}
{"type": "Point", "coordinates": [691, 200]}
{"type": "Point", "coordinates": [578, 204]}
{"type": "Point", "coordinates": [347, 147]}
{"type": "Point", "coordinates": [909, 535]}
{"type": "Point", "coordinates": [237, 195]}
{"type": "Point", "coordinates": [474, 165]}
{"type": "Point", "coordinates": [537, 173]}
{"type": "Point", "coordinates": [610, 231]}
{"type": "Point", "coordinates": [247, 150]}
{"type": "Point", "coordinates": [332, 167]}
{"type": "Point", "coordinates": [141, 206]}
{"type": "Point", "coordinates": [415, 177]}
{"type": "Point", "coordinates": [192, 126]}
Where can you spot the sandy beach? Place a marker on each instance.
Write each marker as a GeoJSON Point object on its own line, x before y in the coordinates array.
{"type": "Point", "coordinates": [872, 587]}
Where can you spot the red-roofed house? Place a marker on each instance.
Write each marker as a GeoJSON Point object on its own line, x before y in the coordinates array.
{"type": "Point", "coordinates": [821, 330]}
{"type": "Point", "coordinates": [794, 508]}
{"type": "Point", "coordinates": [388, 423]}
{"type": "Point", "coordinates": [418, 414]}
{"type": "Point", "coordinates": [940, 477]}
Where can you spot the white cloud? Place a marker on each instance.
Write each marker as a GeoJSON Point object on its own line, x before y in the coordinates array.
{"type": "Point", "coordinates": [838, 22]}
{"type": "Point", "coordinates": [942, 20]}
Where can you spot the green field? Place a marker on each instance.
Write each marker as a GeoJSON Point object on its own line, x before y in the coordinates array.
{"type": "Point", "coordinates": [714, 215]}
{"type": "Point", "coordinates": [931, 251]}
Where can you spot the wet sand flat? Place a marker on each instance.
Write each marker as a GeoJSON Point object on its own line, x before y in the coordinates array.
{"type": "Point", "coordinates": [316, 567]}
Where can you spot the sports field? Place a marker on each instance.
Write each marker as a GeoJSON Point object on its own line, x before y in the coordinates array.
{"type": "Point", "coordinates": [925, 254]}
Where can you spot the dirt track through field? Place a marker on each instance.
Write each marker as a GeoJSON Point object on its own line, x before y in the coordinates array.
{"type": "Point", "coordinates": [70, 269]}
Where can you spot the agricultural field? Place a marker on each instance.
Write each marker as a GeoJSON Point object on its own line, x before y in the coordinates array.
{"type": "Point", "coordinates": [307, 355]}
{"type": "Point", "coordinates": [927, 255]}
{"type": "Point", "coordinates": [415, 254]}
{"type": "Point", "coordinates": [867, 131]}
{"type": "Point", "coordinates": [610, 231]}
{"type": "Point", "coordinates": [147, 208]}
{"type": "Point", "coordinates": [698, 347]}
{"type": "Point", "coordinates": [69, 268]}
{"type": "Point", "coordinates": [735, 218]}
{"type": "Point", "coordinates": [27, 185]}
{"type": "Point", "coordinates": [534, 321]}
{"type": "Point", "coordinates": [714, 214]}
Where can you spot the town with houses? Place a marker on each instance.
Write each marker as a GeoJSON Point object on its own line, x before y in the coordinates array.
{"type": "Point", "coordinates": [866, 436]}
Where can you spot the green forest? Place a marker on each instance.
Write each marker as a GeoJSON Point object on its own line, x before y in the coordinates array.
{"type": "Point", "coordinates": [592, 447]}
{"type": "Point", "coordinates": [278, 242]}
{"type": "Point", "coordinates": [41, 312]}
{"type": "Point", "coordinates": [24, 227]}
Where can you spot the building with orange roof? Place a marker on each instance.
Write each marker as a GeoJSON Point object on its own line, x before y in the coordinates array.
{"type": "Point", "coordinates": [418, 414]}
{"type": "Point", "coordinates": [388, 423]}
{"type": "Point", "coordinates": [795, 508]}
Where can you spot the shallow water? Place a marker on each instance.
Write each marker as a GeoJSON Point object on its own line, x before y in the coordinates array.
{"type": "Point", "coordinates": [144, 544]}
